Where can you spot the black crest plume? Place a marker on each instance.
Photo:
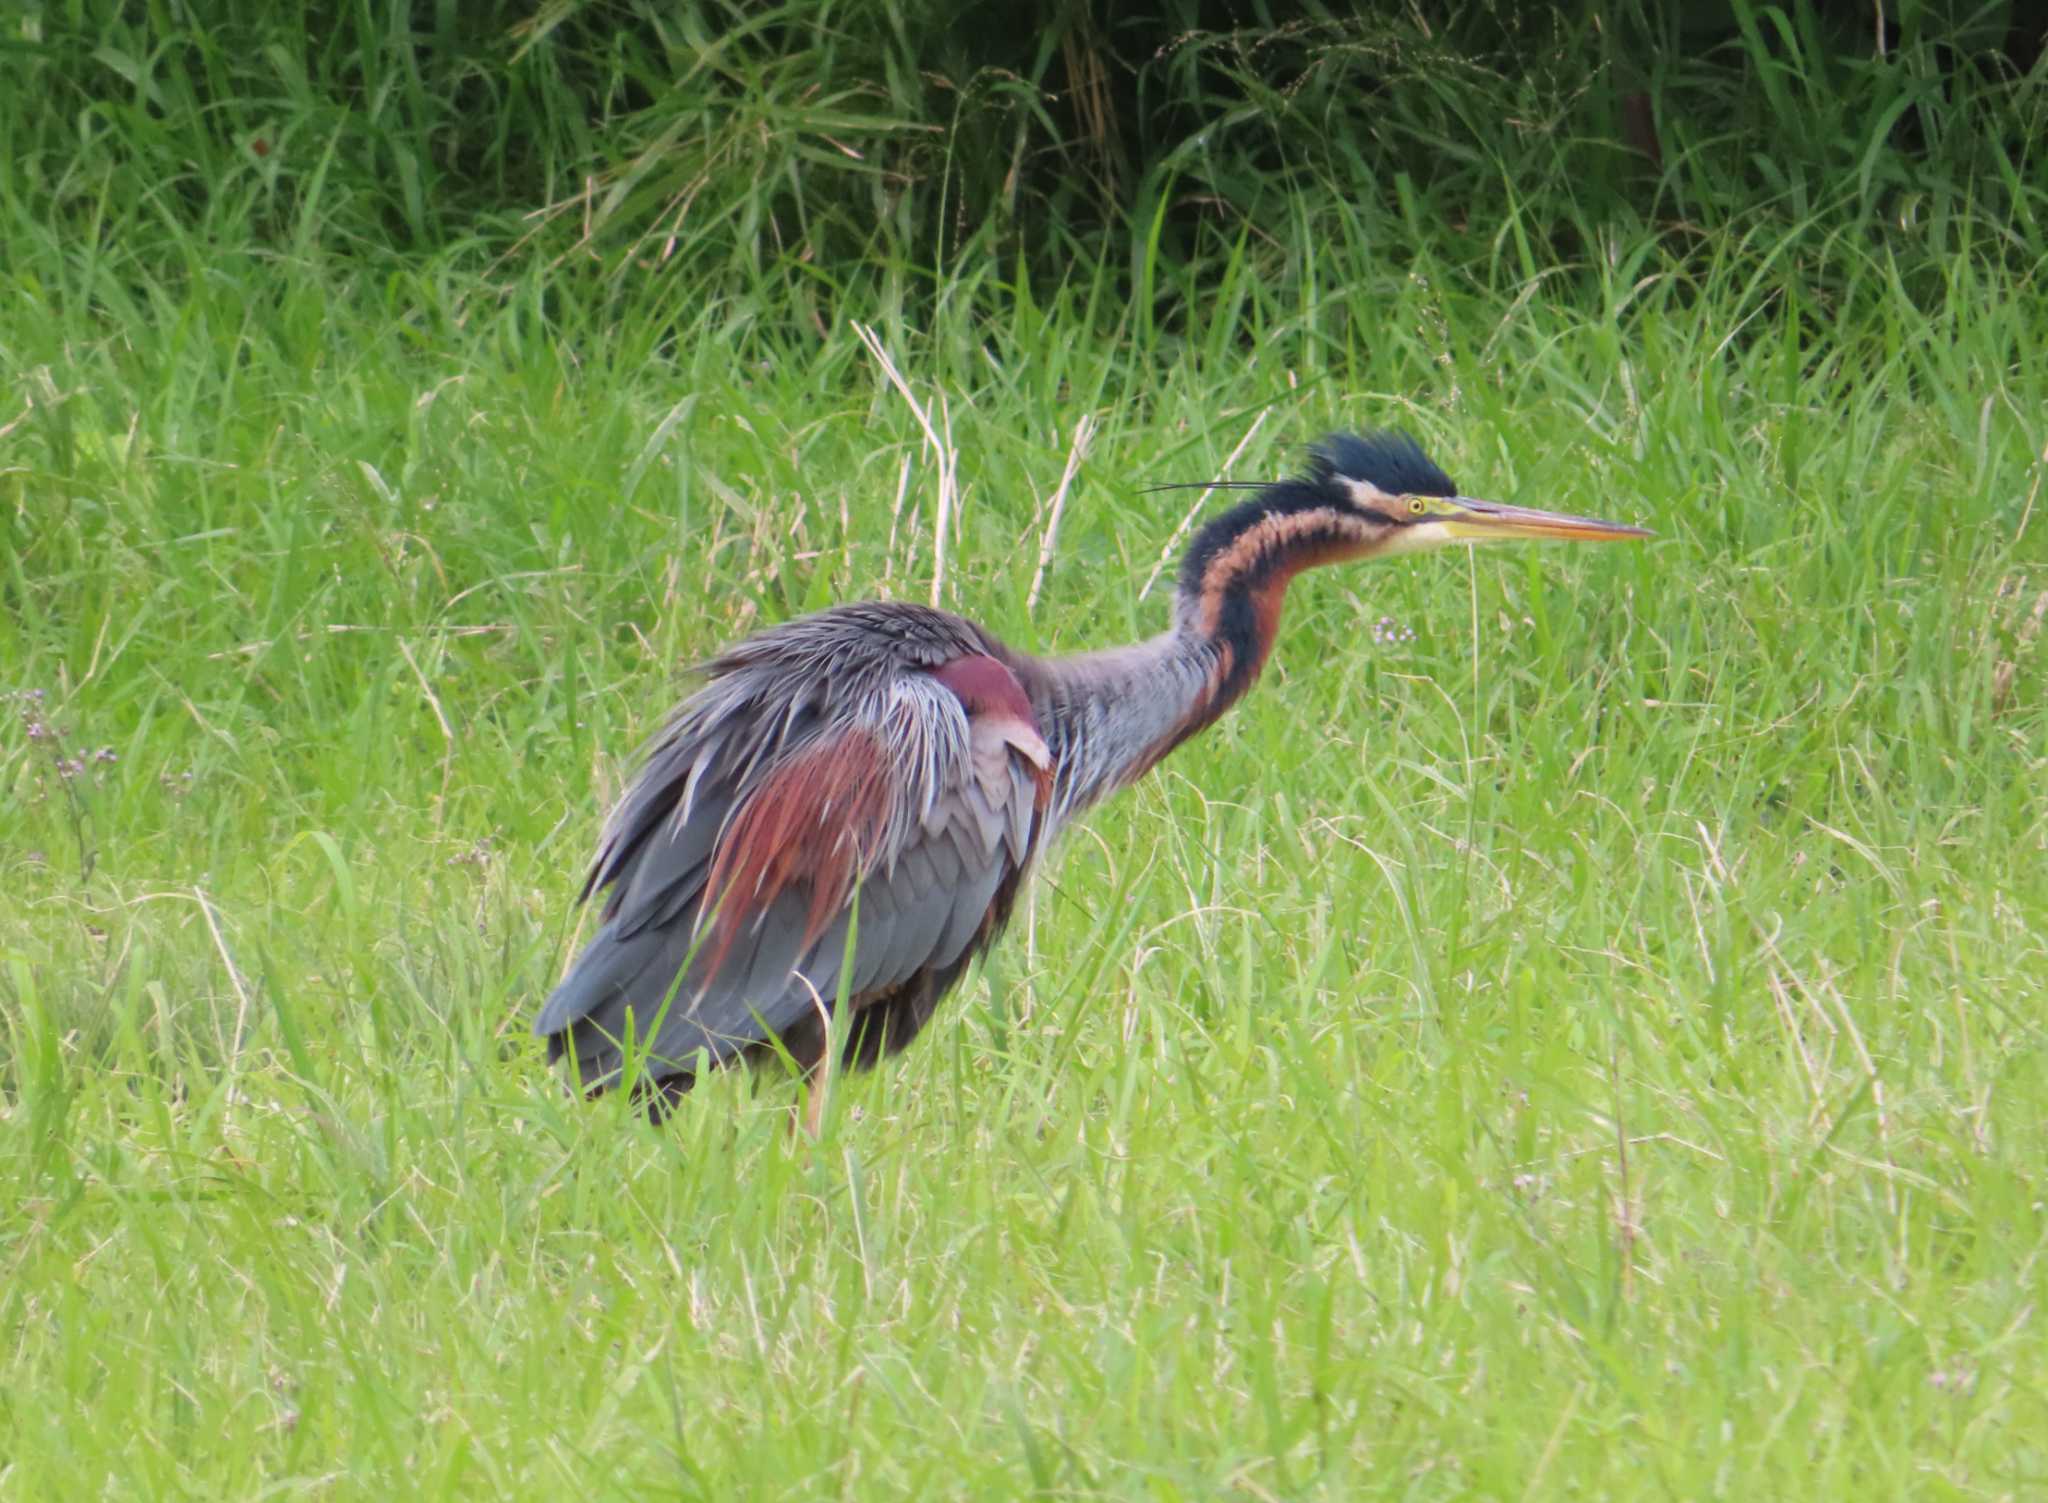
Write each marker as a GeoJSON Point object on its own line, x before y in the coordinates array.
{"type": "Point", "coordinates": [1388, 459]}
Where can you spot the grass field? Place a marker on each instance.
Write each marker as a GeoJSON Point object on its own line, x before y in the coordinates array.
{"type": "Point", "coordinates": [1582, 1039]}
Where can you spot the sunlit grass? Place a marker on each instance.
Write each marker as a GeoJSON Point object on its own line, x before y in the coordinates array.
{"type": "Point", "coordinates": [1584, 1039]}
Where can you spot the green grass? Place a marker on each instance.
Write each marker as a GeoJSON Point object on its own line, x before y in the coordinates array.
{"type": "Point", "coordinates": [1591, 1048]}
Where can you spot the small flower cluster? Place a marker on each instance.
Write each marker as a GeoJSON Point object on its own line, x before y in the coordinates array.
{"type": "Point", "coordinates": [76, 769]}
{"type": "Point", "coordinates": [1387, 632]}
{"type": "Point", "coordinates": [71, 767]}
{"type": "Point", "coordinates": [29, 703]}
{"type": "Point", "coordinates": [478, 855]}
{"type": "Point", "coordinates": [1958, 1380]}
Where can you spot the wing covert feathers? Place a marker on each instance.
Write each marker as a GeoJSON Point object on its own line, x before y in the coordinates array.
{"type": "Point", "coordinates": [883, 750]}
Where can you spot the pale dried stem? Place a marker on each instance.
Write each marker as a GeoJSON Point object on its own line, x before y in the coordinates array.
{"type": "Point", "coordinates": [2033, 493]}
{"type": "Point", "coordinates": [441, 719]}
{"type": "Point", "coordinates": [233, 1048]}
{"type": "Point", "coordinates": [2008, 668]}
{"type": "Point", "coordinates": [819, 1080]}
{"type": "Point", "coordinates": [895, 516]}
{"type": "Point", "coordinates": [942, 447]}
{"type": "Point", "coordinates": [1084, 435]}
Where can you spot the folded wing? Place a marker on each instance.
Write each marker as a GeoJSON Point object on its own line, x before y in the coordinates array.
{"type": "Point", "coordinates": [776, 815]}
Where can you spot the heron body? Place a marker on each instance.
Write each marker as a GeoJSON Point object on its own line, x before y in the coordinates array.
{"type": "Point", "coordinates": [852, 801]}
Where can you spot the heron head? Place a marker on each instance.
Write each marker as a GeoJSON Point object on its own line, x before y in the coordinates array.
{"type": "Point", "coordinates": [1386, 478]}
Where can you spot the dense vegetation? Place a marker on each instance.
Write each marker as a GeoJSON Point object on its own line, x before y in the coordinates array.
{"type": "Point", "coordinates": [1576, 1031]}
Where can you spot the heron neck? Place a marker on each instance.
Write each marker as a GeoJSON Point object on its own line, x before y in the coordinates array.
{"type": "Point", "coordinates": [1109, 717]}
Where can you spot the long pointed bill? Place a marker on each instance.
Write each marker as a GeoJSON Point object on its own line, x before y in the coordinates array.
{"type": "Point", "coordinates": [1471, 521]}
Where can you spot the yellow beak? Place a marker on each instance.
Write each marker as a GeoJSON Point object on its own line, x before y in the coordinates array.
{"type": "Point", "coordinates": [1473, 521]}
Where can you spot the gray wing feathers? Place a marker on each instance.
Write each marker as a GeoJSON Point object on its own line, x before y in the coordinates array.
{"type": "Point", "coordinates": [964, 817]}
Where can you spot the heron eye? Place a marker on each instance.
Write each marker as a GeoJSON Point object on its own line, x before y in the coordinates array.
{"type": "Point", "coordinates": [1417, 505]}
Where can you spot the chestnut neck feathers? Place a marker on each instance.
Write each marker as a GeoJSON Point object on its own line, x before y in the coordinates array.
{"type": "Point", "coordinates": [1114, 714]}
{"type": "Point", "coordinates": [1234, 577]}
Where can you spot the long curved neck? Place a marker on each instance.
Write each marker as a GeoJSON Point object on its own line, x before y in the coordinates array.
{"type": "Point", "coordinates": [1110, 716]}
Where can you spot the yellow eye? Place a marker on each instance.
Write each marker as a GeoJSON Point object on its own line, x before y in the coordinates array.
{"type": "Point", "coordinates": [1417, 506]}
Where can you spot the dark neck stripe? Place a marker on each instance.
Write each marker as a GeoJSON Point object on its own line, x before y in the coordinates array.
{"type": "Point", "coordinates": [1234, 579]}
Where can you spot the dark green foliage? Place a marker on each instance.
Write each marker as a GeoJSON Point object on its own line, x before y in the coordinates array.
{"type": "Point", "coordinates": [828, 150]}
